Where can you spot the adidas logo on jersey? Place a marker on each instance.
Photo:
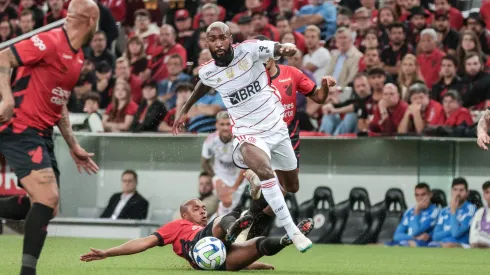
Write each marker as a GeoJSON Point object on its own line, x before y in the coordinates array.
{"type": "Point", "coordinates": [244, 93]}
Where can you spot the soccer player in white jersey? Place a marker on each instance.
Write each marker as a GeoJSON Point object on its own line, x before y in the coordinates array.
{"type": "Point", "coordinates": [261, 140]}
{"type": "Point", "coordinates": [480, 226]}
{"type": "Point", "coordinates": [217, 161]}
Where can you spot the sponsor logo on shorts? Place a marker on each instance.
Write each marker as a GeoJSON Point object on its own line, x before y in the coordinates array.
{"type": "Point", "coordinates": [36, 155]}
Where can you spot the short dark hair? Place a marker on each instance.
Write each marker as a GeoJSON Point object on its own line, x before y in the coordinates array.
{"type": "Point", "coordinates": [204, 174]}
{"type": "Point", "coordinates": [131, 172]}
{"type": "Point", "coordinates": [396, 25]}
{"type": "Point", "coordinates": [182, 87]}
{"type": "Point", "coordinates": [344, 11]}
{"type": "Point", "coordinates": [460, 181]}
{"type": "Point", "coordinates": [103, 67]}
{"type": "Point", "coordinates": [485, 185]}
{"type": "Point", "coordinates": [177, 56]}
{"type": "Point", "coordinates": [359, 75]}
{"type": "Point", "coordinates": [93, 96]}
{"type": "Point", "coordinates": [27, 12]}
{"type": "Point", "coordinates": [101, 32]}
{"type": "Point", "coordinates": [473, 54]}
{"type": "Point", "coordinates": [422, 185]}
{"type": "Point", "coordinates": [451, 58]}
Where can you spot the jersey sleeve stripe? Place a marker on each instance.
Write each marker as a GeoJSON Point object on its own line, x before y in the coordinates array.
{"type": "Point", "coordinates": [311, 92]}
{"type": "Point", "coordinates": [160, 238]}
{"type": "Point", "coordinates": [16, 54]}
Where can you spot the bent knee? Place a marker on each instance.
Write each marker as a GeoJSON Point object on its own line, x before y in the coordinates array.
{"type": "Point", "coordinates": [42, 187]}
{"type": "Point", "coordinates": [265, 172]}
{"type": "Point", "coordinates": [292, 187]}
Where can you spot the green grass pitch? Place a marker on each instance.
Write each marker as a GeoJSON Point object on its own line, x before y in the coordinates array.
{"type": "Point", "coordinates": [60, 256]}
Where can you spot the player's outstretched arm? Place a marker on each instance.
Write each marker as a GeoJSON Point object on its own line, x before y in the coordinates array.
{"type": "Point", "coordinates": [80, 156]}
{"type": "Point", "coordinates": [321, 93]}
{"type": "Point", "coordinates": [7, 62]}
{"type": "Point", "coordinates": [286, 49]}
{"type": "Point", "coordinates": [199, 91]}
{"type": "Point", "coordinates": [132, 247]}
{"type": "Point", "coordinates": [482, 130]}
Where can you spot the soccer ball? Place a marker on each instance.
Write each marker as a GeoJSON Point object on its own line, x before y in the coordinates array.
{"type": "Point", "coordinates": [209, 253]}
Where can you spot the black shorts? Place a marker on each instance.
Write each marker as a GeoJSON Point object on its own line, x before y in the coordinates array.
{"type": "Point", "coordinates": [28, 151]}
{"type": "Point", "coordinates": [206, 232]}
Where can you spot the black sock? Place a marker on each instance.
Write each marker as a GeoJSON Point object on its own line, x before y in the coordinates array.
{"type": "Point", "coordinates": [257, 206]}
{"type": "Point", "coordinates": [228, 220]}
{"type": "Point", "coordinates": [35, 233]}
{"type": "Point", "coordinates": [260, 226]}
{"type": "Point", "coordinates": [15, 207]}
{"type": "Point", "coordinates": [269, 246]}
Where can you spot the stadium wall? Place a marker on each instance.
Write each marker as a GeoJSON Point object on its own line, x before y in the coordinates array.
{"type": "Point", "coordinates": [168, 167]}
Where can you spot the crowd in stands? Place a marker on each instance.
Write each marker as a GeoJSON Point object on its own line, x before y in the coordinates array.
{"type": "Point", "coordinates": [401, 67]}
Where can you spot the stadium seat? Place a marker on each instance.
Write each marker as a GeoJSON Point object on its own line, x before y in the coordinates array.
{"type": "Point", "coordinates": [475, 198]}
{"type": "Point", "coordinates": [277, 231]}
{"type": "Point", "coordinates": [439, 198]}
{"type": "Point", "coordinates": [386, 216]}
{"type": "Point", "coordinates": [352, 218]}
{"type": "Point", "coordinates": [322, 211]}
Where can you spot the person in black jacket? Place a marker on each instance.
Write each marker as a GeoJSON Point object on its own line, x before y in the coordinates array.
{"type": "Point", "coordinates": [150, 112]}
{"type": "Point", "coordinates": [128, 204]}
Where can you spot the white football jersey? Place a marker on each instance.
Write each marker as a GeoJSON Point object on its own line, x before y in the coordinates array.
{"type": "Point", "coordinates": [223, 165]}
{"type": "Point", "coordinates": [245, 87]}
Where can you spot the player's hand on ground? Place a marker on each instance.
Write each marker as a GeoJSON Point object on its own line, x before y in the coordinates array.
{"type": "Point", "coordinates": [483, 140]}
{"type": "Point", "coordinates": [84, 160]}
{"type": "Point", "coordinates": [328, 81]}
{"type": "Point", "coordinates": [179, 124]}
{"type": "Point", "coordinates": [93, 255]}
{"type": "Point", "coordinates": [6, 111]}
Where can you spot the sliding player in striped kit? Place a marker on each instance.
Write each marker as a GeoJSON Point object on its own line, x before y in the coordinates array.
{"type": "Point", "coordinates": [261, 140]}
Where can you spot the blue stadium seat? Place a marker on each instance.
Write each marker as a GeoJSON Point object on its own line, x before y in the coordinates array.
{"type": "Point", "coordinates": [439, 198]}
{"type": "Point", "coordinates": [475, 198]}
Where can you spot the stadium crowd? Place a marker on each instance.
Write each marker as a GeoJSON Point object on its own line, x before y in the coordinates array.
{"type": "Point", "coordinates": [142, 64]}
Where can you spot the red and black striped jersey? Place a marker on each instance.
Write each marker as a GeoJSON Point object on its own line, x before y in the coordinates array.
{"type": "Point", "coordinates": [48, 70]}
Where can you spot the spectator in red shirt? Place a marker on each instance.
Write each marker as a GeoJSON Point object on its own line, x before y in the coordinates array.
{"type": "Point", "coordinates": [261, 25]}
{"type": "Point", "coordinates": [455, 114]}
{"type": "Point", "coordinates": [197, 23]}
{"type": "Point", "coordinates": [166, 47]}
{"type": "Point", "coordinates": [455, 15]}
{"type": "Point", "coordinates": [370, 5]}
{"type": "Point", "coordinates": [143, 28]}
{"type": "Point", "coordinates": [135, 53]}
{"type": "Point", "coordinates": [246, 29]}
{"type": "Point", "coordinates": [390, 112]}
{"type": "Point", "coordinates": [210, 14]}
{"type": "Point", "coordinates": [475, 23]}
{"type": "Point", "coordinates": [57, 11]}
{"type": "Point", "coordinates": [26, 22]}
{"type": "Point", "coordinates": [468, 43]}
{"type": "Point", "coordinates": [185, 32]}
{"type": "Point", "coordinates": [370, 60]}
{"type": "Point", "coordinates": [123, 71]}
{"type": "Point", "coordinates": [119, 115]}
{"type": "Point", "coordinates": [408, 75]}
{"type": "Point", "coordinates": [422, 111]}
{"type": "Point", "coordinates": [183, 92]}
{"type": "Point", "coordinates": [249, 5]}
{"type": "Point", "coordinates": [283, 26]}
{"type": "Point", "coordinates": [430, 57]}
{"type": "Point", "coordinates": [117, 8]}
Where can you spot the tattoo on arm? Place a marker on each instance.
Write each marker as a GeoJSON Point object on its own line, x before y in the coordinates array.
{"type": "Point", "coordinates": [7, 62]}
{"type": "Point", "coordinates": [65, 128]}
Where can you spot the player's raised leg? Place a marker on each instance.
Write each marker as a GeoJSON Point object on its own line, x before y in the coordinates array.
{"type": "Point", "coordinates": [243, 255]}
{"type": "Point", "coordinates": [259, 162]}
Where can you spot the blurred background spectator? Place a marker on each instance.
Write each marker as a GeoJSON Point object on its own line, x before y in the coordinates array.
{"type": "Point", "coordinates": [119, 115]}
{"type": "Point", "coordinates": [150, 111]}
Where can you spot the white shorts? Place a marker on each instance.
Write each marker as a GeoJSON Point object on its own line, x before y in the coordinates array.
{"type": "Point", "coordinates": [276, 145]}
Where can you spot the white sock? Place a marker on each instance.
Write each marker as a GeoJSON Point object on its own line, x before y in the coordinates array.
{"type": "Point", "coordinates": [274, 197]}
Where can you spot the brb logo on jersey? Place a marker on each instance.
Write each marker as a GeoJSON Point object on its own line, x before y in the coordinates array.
{"type": "Point", "coordinates": [244, 93]}
{"type": "Point", "coordinates": [38, 43]}
{"type": "Point", "coordinates": [60, 96]}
